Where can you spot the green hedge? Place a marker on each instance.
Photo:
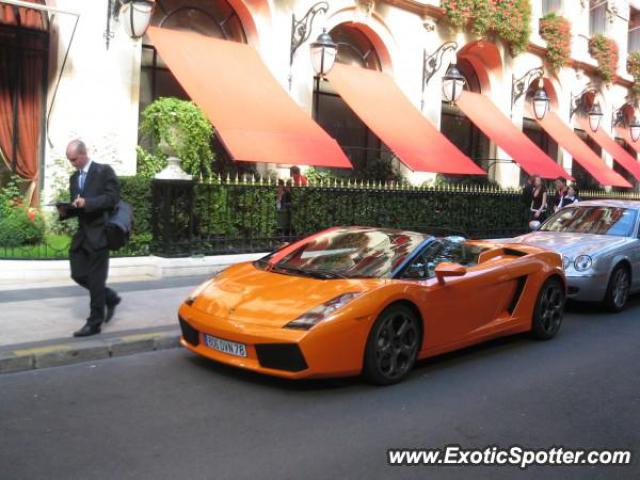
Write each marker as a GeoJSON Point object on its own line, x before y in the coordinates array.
{"type": "Point", "coordinates": [137, 192]}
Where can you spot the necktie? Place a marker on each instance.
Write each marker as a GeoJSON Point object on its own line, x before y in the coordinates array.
{"type": "Point", "coordinates": [82, 175]}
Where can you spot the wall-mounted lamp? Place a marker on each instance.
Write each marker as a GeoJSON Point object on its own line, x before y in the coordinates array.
{"type": "Point", "coordinates": [137, 15]}
{"type": "Point", "coordinates": [618, 118]}
{"type": "Point", "coordinates": [519, 86]}
{"type": "Point", "coordinates": [432, 63]}
{"type": "Point", "coordinates": [595, 116]}
{"type": "Point", "coordinates": [594, 113]}
{"type": "Point", "coordinates": [323, 53]}
{"type": "Point", "coordinates": [540, 101]}
{"type": "Point", "coordinates": [301, 30]}
{"type": "Point", "coordinates": [452, 84]}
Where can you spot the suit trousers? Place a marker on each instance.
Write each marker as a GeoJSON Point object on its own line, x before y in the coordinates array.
{"type": "Point", "coordinates": [89, 269]}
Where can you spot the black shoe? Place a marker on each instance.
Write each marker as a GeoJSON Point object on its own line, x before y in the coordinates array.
{"type": "Point", "coordinates": [111, 309]}
{"type": "Point", "coordinates": [87, 330]}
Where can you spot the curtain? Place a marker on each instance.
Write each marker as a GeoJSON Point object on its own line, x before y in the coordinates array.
{"type": "Point", "coordinates": [23, 55]}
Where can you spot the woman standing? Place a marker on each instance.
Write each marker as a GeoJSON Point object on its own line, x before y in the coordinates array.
{"type": "Point", "coordinates": [538, 202]}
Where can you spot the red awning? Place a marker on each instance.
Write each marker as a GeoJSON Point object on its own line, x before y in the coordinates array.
{"type": "Point", "coordinates": [580, 151]}
{"type": "Point", "coordinates": [619, 154]}
{"type": "Point", "coordinates": [255, 118]}
{"type": "Point", "coordinates": [378, 101]}
{"type": "Point", "coordinates": [626, 136]}
{"type": "Point", "coordinates": [499, 128]}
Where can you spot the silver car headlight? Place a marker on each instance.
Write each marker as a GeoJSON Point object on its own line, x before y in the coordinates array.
{"type": "Point", "coordinates": [582, 263]}
{"type": "Point", "coordinates": [319, 313]}
{"type": "Point", "coordinates": [566, 262]}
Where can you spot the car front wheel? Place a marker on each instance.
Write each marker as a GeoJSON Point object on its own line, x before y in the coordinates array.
{"type": "Point", "coordinates": [549, 310]}
{"type": "Point", "coordinates": [618, 289]}
{"type": "Point", "coordinates": [392, 346]}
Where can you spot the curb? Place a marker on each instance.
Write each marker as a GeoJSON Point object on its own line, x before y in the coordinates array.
{"type": "Point", "coordinates": [67, 351]}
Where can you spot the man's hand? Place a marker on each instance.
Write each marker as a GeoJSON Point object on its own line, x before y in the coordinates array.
{"type": "Point", "coordinates": [78, 203]}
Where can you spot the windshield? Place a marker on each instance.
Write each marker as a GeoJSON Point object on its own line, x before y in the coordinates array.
{"type": "Point", "coordinates": [350, 253]}
{"type": "Point", "coordinates": [449, 249]}
{"type": "Point", "coordinates": [615, 221]}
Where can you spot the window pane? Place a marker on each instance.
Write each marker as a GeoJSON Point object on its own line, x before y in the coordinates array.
{"type": "Point", "coordinates": [598, 17]}
{"type": "Point", "coordinates": [551, 5]}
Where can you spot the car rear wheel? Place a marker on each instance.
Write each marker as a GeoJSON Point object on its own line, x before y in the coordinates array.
{"type": "Point", "coordinates": [618, 289]}
{"type": "Point", "coordinates": [549, 310]}
{"type": "Point", "coordinates": [392, 345]}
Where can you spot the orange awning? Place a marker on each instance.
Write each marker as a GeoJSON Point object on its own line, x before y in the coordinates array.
{"type": "Point", "coordinates": [255, 118]}
{"type": "Point", "coordinates": [619, 154]}
{"type": "Point", "coordinates": [626, 136]}
{"type": "Point", "coordinates": [499, 128]}
{"type": "Point", "coordinates": [580, 151]}
{"type": "Point", "coordinates": [378, 101]}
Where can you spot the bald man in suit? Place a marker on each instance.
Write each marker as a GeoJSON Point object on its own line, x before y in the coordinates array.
{"type": "Point", "coordinates": [94, 192]}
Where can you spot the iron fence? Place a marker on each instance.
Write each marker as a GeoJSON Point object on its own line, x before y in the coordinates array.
{"type": "Point", "coordinates": [212, 219]}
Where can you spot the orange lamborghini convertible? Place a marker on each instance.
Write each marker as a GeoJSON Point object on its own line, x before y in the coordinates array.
{"type": "Point", "coordinates": [353, 300]}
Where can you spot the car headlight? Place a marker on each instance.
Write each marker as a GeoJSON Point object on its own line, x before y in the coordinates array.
{"type": "Point", "coordinates": [566, 262]}
{"type": "Point", "coordinates": [201, 288]}
{"type": "Point", "coordinates": [319, 313]}
{"type": "Point", "coordinates": [582, 263]}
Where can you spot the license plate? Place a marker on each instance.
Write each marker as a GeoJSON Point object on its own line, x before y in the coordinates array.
{"type": "Point", "coordinates": [225, 346]}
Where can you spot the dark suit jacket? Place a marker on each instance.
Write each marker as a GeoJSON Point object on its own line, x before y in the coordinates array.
{"type": "Point", "coordinates": [101, 193]}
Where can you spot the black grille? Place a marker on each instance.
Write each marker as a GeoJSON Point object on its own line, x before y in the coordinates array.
{"type": "Point", "coordinates": [281, 356]}
{"type": "Point", "coordinates": [189, 333]}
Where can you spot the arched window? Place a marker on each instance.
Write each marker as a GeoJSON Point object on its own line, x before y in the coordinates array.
{"type": "Point", "coordinates": [215, 18]}
{"type": "Point", "coordinates": [458, 128]}
{"type": "Point", "coordinates": [331, 112]}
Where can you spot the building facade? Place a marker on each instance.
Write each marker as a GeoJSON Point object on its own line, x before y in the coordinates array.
{"type": "Point", "coordinates": [96, 93]}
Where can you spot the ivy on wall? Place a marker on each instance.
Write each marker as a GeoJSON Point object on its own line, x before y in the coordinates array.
{"type": "Point", "coordinates": [605, 51]}
{"type": "Point", "coordinates": [508, 19]}
{"type": "Point", "coordinates": [556, 31]}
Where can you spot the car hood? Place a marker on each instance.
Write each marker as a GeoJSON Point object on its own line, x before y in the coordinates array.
{"type": "Point", "coordinates": [572, 244]}
{"type": "Point", "coordinates": [248, 295]}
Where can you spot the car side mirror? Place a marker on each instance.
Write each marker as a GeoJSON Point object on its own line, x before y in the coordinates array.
{"type": "Point", "coordinates": [448, 269]}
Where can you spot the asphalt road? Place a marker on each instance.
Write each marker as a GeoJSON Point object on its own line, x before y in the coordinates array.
{"type": "Point", "coordinates": [170, 415]}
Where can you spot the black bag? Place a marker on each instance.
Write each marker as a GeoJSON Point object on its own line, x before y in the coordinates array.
{"type": "Point", "coordinates": [119, 226]}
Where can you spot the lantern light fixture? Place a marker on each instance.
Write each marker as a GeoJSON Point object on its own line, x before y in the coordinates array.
{"type": "Point", "coordinates": [634, 129]}
{"type": "Point", "coordinates": [137, 15]}
{"type": "Point", "coordinates": [540, 101]}
{"type": "Point", "coordinates": [452, 84]}
{"type": "Point", "coordinates": [323, 53]}
{"type": "Point", "coordinates": [595, 116]}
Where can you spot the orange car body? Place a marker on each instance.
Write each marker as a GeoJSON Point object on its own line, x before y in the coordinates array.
{"type": "Point", "coordinates": [250, 306]}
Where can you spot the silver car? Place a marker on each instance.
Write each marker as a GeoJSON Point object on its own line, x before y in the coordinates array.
{"type": "Point", "coordinates": [600, 246]}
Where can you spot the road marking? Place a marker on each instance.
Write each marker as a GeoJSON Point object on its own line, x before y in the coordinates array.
{"type": "Point", "coordinates": [47, 349]}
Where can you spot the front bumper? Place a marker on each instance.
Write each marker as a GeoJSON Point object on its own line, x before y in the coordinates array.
{"type": "Point", "coordinates": [587, 288]}
{"type": "Point", "coordinates": [281, 352]}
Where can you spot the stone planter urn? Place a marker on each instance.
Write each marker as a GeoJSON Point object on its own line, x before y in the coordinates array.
{"type": "Point", "coordinates": [172, 171]}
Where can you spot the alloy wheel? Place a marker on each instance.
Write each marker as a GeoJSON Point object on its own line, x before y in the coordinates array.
{"type": "Point", "coordinates": [396, 345]}
{"type": "Point", "coordinates": [551, 307]}
{"type": "Point", "coordinates": [620, 287]}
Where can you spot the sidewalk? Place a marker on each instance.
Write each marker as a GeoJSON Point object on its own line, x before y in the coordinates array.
{"type": "Point", "coordinates": [36, 324]}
